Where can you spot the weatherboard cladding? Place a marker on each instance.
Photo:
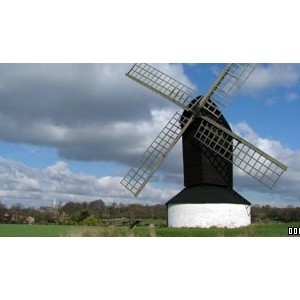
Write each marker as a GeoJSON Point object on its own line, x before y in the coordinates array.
{"type": "Point", "coordinates": [202, 165]}
{"type": "Point", "coordinates": [201, 194]}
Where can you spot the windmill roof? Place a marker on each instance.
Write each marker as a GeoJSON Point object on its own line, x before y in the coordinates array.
{"type": "Point", "coordinates": [200, 194]}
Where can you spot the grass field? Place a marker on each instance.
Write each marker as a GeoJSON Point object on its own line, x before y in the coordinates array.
{"type": "Point", "coordinates": [274, 229]}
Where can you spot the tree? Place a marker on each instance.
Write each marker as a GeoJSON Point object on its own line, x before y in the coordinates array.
{"type": "Point", "coordinates": [16, 213]}
{"type": "Point", "coordinates": [96, 208]}
{"type": "Point", "coordinates": [3, 212]}
{"type": "Point", "coordinates": [79, 216]}
{"type": "Point", "coordinates": [72, 207]}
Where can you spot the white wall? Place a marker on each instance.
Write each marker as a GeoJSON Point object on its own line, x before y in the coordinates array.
{"type": "Point", "coordinates": [207, 215]}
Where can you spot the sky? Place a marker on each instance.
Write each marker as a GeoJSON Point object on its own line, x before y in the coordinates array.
{"type": "Point", "coordinates": [52, 147]}
{"type": "Point", "coordinates": [70, 132]}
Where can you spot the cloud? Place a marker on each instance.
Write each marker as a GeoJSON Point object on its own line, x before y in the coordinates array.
{"type": "Point", "coordinates": [267, 76]}
{"type": "Point", "coordinates": [286, 191]}
{"type": "Point", "coordinates": [23, 184]}
{"type": "Point", "coordinates": [88, 112]}
{"type": "Point", "coordinates": [34, 187]}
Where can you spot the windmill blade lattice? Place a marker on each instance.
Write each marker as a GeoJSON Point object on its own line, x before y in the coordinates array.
{"type": "Point", "coordinates": [214, 136]}
{"type": "Point", "coordinates": [162, 84]}
{"type": "Point", "coordinates": [226, 87]}
{"type": "Point", "coordinates": [137, 177]}
{"type": "Point", "coordinates": [241, 153]}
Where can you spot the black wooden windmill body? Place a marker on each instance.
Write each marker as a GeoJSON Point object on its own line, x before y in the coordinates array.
{"type": "Point", "coordinates": [210, 149]}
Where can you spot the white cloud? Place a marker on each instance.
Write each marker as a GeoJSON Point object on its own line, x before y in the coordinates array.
{"type": "Point", "coordinates": [20, 183]}
{"type": "Point", "coordinates": [286, 191]}
{"type": "Point", "coordinates": [272, 147]}
{"type": "Point", "coordinates": [23, 184]}
{"type": "Point", "coordinates": [88, 112]}
{"type": "Point", "coordinates": [176, 71]}
{"type": "Point", "coordinates": [273, 75]}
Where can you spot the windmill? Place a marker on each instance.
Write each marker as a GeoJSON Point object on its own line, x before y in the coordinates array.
{"type": "Point", "coordinates": [210, 149]}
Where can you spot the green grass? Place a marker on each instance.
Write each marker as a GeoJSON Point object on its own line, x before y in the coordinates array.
{"type": "Point", "coordinates": [254, 230]}
{"type": "Point", "coordinates": [274, 229]}
{"type": "Point", "coordinates": [20, 230]}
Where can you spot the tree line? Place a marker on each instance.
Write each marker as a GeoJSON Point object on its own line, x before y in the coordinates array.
{"type": "Point", "coordinates": [85, 213]}
{"type": "Point", "coordinates": [97, 212]}
{"type": "Point", "coordinates": [282, 214]}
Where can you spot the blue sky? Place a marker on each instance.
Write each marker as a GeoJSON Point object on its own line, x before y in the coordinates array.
{"type": "Point", "coordinates": [261, 107]}
{"type": "Point", "coordinates": [71, 131]}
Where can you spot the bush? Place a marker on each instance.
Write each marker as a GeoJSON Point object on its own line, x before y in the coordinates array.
{"type": "Point", "coordinates": [79, 216]}
{"type": "Point", "coordinates": [91, 221]}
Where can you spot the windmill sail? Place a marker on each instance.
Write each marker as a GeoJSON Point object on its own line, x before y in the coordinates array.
{"type": "Point", "coordinates": [162, 84]}
{"type": "Point", "coordinates": [210, 133]}
{"type": "Point", "coordinates": [137, 177]}
{"type": "Point", "coordinates": [226, 87]}
{"type": "Point", "coordinates": [241, 153]}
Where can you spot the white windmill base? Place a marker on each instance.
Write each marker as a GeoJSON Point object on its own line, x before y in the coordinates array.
{"type": "Point", "coordinates": [209, 214]}
{"type": "Point", "coordinates": [207, 206]}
